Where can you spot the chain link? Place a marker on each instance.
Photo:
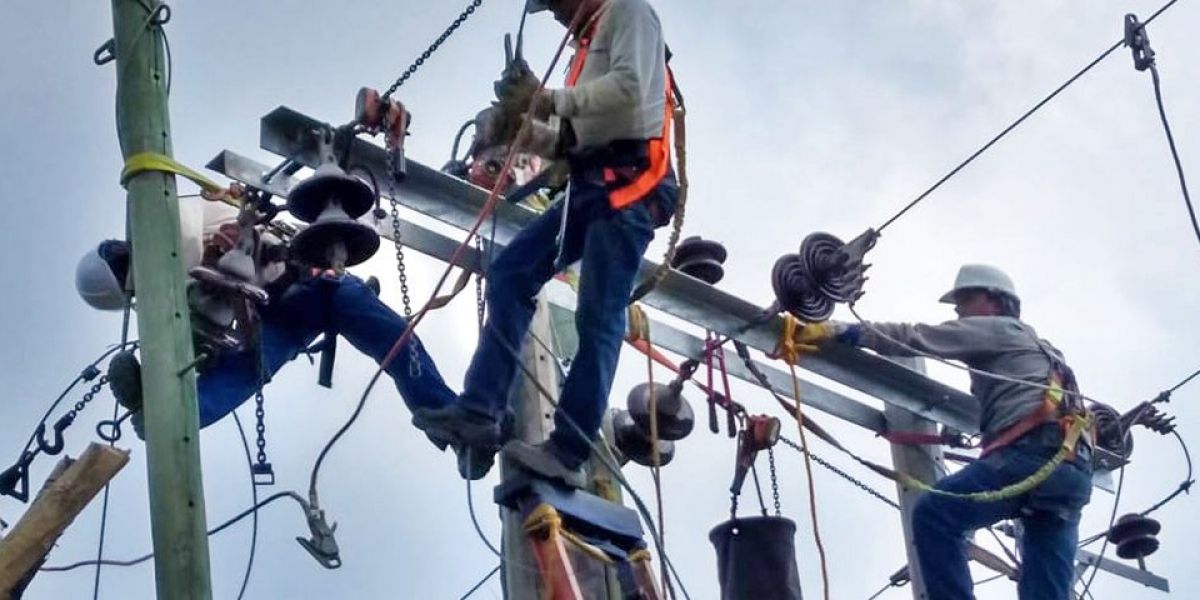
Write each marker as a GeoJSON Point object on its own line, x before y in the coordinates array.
{"type": "Point", "coordinates": [87, 398]}
{"type": "Point", "coordinates": [260, 427]}
{"type": "Point", "coordinates": [844, 475]}
{"type": "Point", "coordinates": [774, 481]}
{"type": "Point", "coordinates": [479, 303]}
{"type": "Point", "coordinates": [414, 364]}
{"type": "Point", "coordinates": [462, 17]}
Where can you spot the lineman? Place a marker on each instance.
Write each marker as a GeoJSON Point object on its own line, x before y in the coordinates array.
{"type": "Point", "coordinates": [613, 129]}
{"type": "Point", "coordinates": [1022, 429]}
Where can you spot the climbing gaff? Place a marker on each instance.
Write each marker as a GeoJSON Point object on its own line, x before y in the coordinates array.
{"type": "Point", "coordinates": [824, 272]}
{"type": "Point", "coordinates": [331, 201]}
{"type": "Point", "coordinates": [756, 558]}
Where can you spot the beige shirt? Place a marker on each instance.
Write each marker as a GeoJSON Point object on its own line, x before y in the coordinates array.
{"type": "Point", "coordinates": [621, 92]}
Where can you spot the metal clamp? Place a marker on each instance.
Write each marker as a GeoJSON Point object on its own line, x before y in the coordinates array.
{"type": "Point", "coordinates": [1138, 43]}
{"type": "Point", "coordinates": [321, 545]}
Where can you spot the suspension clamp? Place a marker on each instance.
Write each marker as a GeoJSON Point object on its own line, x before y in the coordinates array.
{"type": "Point", "coordinates": [1138, 43]}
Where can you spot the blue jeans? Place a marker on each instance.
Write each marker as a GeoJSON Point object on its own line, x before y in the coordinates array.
{"type": "Point", "coordinates": [290, 324]}
{"type": "Point", "coordinates": [610, 243]}
{"type": "Point", "coordinates": [1049, 515]}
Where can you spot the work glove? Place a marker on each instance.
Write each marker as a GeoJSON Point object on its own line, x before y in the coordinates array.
{"type": "Point", "coordinates": [517, 84]}
{"type": "Point", "coordinates": [813, 335]}
{"type": "Point", "coordinates": [542, 105]}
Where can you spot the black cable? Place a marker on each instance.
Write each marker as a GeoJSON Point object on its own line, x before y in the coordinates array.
{"type": "Point", "coordinates": [1181, 383]}
{"type": "Point", "coordinates": [254, 499]}
{"type": "Point", "coordinates": [1104, 546]}
{"type": "Point", "coordinates": [475, 522]}
{"type": "Point", "coordinates": [476, 587]}
{"type": "Point", "coordinates": [218, 529]}
{"type": "Point", "coordinates": [1020, 120]}
{"type": "Point", "coordinates": [1186, 486]}
{"type": "Point", "coordinates": [1162, 113]}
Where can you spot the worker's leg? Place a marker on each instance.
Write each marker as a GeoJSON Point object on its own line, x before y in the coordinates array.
{"type": "Point", "coordinates": [940, 526]}
{"type": "Point", "coordinates": [289, 325]}
{"type": "Point", "coordinates": [1050, 532]}
{"type": "Point", "coordinates": [373, 327]}
{"type": "Point", "coordinates": [514, 280]}
{"type": "Point", "coordinates": [612, 253]}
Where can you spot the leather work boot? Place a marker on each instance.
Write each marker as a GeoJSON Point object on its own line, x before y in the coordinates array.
{"type": "Point", "coordinates": [544, 460]}
{"type": "Point", "coordinates": [474, 463]}
{"type": "Point", "coordinates": [456, 424]}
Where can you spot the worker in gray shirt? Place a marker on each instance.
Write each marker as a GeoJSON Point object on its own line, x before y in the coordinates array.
{"type": "Point", "coordinates": [611, 124]}
{"type": "Point", "coordinates": [1023, 408]}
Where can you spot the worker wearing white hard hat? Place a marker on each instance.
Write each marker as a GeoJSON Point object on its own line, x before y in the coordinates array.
{"type": "Point", "coordinates": [1027, 396]}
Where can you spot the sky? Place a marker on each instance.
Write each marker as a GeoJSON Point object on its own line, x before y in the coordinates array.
{"type": "Point", "coordinates": [803, 116]}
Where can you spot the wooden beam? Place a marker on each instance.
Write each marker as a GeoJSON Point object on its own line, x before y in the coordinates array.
{"type": "Point", "coordinates": [70, 487]}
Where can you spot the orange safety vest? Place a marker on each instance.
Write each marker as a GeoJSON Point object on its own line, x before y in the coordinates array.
{"type": "Point", "coordinates": [659, 150]}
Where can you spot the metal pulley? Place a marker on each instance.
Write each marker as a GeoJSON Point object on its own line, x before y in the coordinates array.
{"type": "Point", "coordinates": [634, 442]}
{"type": "Point", "coordinates": [330, 201]}
{"type": "Point", "coordinates": [675, 416]}
{"type": "Point", "coordinates": [824, 272]}
{"type": "Point", "coordinates": [1133, 535]}
{"type": "Point", "coordinates": [700, 258]}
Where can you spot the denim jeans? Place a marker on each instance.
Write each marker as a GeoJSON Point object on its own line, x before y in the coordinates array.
{"type": "Point", "coordinates": [610, 243]}
{"type": "Point", "coordinates": [290, 323]}
{"type": "Point", "coordinates": [1049, 515]}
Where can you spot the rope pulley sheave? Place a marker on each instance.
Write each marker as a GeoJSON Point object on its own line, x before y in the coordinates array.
{"type": "Point", "coordinates": [700, 258]}
{"type": "Point", "coordinates": [824, 272]}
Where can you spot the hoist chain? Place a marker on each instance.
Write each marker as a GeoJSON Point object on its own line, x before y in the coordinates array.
{"type": "Point", "coordinates": [774, 481]}
{"type": "Point", "coordinates": [260, 427]}
{"type": "Point", "coordinates": [479, 303]}
{"type": "Point", "coordinates": [414, 364]}
{"type": "Point", "coordinates": [844, 475]}
{"type": "Point", "coordinates": [99, 385]}
{"type": "Point", "coordinates": [462, 17]}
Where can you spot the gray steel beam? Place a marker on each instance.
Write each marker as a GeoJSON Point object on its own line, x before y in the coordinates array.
{"type": "Point", "coordinates": [1087, 559]}
{"type": "Point", "coordinates": [455, 202]}
{"type": "Point", "coordinates": [675, 340]}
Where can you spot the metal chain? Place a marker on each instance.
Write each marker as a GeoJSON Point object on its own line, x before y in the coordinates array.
{"type": "Point", "coordinates": [479, 304]}
{"type": "Point", "coordinates": [99, 385]}
{"type": "Point", "coordinates": [466, 13]}
{"type": "Point", "coordinates": [844, 475]}
{"type": "Point", "coordinates": [774, 481]}
{"type": "Point", "coordinates": [414, 365]}
{"type": "Point", "coordinates": [260, 427]}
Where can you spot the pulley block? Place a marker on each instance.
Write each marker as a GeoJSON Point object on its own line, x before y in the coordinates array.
{"type": "Point", "coordinates": [824, 272]}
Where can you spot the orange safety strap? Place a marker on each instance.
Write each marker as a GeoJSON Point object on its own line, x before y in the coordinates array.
{"type": "Point", "coordinates": [659, 150]}
{"type": "Point", "coordinates": [1048, 412]}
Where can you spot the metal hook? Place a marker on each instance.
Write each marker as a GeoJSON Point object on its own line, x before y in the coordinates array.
{"type": "Point", "coordinates": [114, 428]}
{"type": "Point", "coordinates": [106, 53]}
{"type": "Point", "coordinates": [55, 447]}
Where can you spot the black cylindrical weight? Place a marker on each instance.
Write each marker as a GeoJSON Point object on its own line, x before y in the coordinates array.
{"type": "Point", "coordinates": [756, 559]}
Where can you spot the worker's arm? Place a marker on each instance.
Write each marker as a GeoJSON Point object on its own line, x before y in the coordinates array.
{"type": "Point", "coordinates": [961, 339]}
{"type": "Point", "coordinates": [633, 60]}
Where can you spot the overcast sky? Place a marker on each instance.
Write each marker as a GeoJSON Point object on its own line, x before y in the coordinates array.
{"type": "Point", "coordinates": [804, 116]}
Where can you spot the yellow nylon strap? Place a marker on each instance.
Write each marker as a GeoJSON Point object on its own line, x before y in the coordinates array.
{"type": "Point", "coordinates": [545, 520]}
{"type": "Point", "coordinates": [1078, 424]}
{"type": "Point", "coordinates": [639, 324]}
{"type": "Point", "coordinates": [153, 161]}
{"type": "Point", "coordinates": [639, 555]}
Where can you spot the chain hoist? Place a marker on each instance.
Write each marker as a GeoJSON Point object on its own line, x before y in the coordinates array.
{"type": "Point", "coordinates": [462, 17]}
{"type": "Point", "coordinates": [414, 364]}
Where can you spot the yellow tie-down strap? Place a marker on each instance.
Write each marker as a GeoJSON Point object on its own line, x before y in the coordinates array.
{"type": "Point", "coordinates": [153, 161]}
{"type": "Point", "coordinates": [544, 520]}
{"type": "Point", "coordinates": [1078, 424]}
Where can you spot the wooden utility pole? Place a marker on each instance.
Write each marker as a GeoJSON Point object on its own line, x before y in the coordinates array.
{"type": "Point", "coordinates": [70, 487]}
{"type": "Point", "coordinates": [169, 384]}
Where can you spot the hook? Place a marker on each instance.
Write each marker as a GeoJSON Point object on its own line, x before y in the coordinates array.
{"type": "Point", "coordinates": [55, 447]}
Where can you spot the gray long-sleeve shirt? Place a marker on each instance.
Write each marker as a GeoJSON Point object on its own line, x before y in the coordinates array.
{"type": "Point", "coordinates": [621, 92]}
{"type": "Point", "coordinates": [1002, 345]}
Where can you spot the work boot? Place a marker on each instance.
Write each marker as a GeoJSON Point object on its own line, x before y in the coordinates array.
{"type": "Point", "coordinates": [474, 463]}
{"type": "Point", "coordinates": [457, 424]}
{"type": "Point", "coordinates": [545, 460]}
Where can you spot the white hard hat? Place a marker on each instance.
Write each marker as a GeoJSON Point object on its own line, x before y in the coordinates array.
{"type": "Point", "coordinates": [981, 277]}
{"type": "Point", "coordinates": [535, 6]}
{"type": "Point", "coordinates": [100, 275]}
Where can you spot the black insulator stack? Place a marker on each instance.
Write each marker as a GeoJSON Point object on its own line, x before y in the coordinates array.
{"type": "Point", "coordinates": [824, 272]}
{"type": "Point", "coordinates": [1134, 536]}
{"type": "Point", "coordinates": [700, 258]}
